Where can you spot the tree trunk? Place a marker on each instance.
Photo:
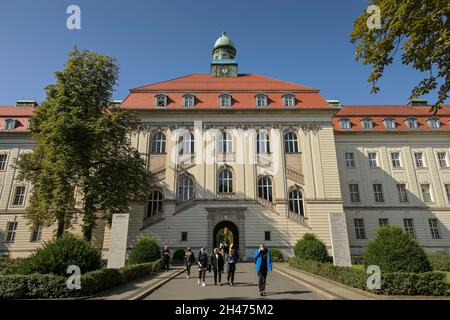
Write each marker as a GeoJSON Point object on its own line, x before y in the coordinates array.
{"type": "Point", "coordinates": [61, 228]}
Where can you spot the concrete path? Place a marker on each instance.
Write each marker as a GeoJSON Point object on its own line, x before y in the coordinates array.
{"type": "Point", "coordinates": [246, 287]}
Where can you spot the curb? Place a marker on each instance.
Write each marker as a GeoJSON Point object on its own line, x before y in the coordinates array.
{"type": "Point", "coordinates": [154, 287]}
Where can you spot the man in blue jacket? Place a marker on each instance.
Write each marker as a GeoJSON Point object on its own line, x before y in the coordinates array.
{"type": "Point", "coordinates": [263, 263]}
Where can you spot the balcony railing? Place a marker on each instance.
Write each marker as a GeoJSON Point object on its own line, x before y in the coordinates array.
{"type": "Point", "coordinates": [295, 175]}
{"type": "Point", "coordinates": [267, 204]}
{"type": "Point", "coordinates": [298, 218]}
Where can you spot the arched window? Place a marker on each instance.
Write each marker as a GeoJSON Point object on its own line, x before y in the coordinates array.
{"type": "Point", "coordinates": [389, 123]}
{"type": "Point", "coordinates": [290, 142]}
{"type": "Point", "coordinates": [289, 100]}
{"type": "Point", "coordinates": [265, 188]}
{"type": "Point", "coordinates": [188, 101]}
{"type": "Point", "coordinates": [158, 143]}
{"type": "Point", "coordinates": [225, 181]}
{"type": "Point", "coordinates": [154, 204]}
{"type": "Point", "coordinates": [161, 100]}
{"type": "Point", "coordinates": [412, 123]}
{"type": "Point", "coordinates": [434, 122]}
{"type": "Point", "coordinates": [185, 188]}
{"type": "Point", "coordinates": [225, 100]}
{"type": "Point", "coordinates": [261, 100]}
{"type": "Point", "coordinates": [10, 124]}
{"type": "Point", "coordinates": [225, 142]}
{"type": "Point", "coordinates": [345, 123]}
{"type": "Point", "coordinates": [367, 123]}
{"type": "Point", "coordinates": [295, 199]}
{"type": "Point", "coordinates": [186, 143]}
{"type": "Point", "coordinates": [262, 142]}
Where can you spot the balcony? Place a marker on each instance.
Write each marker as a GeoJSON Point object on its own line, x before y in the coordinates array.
{"type": "Point", "coordinates": [298, 218]}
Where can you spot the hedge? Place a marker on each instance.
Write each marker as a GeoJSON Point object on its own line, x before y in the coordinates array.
{"type": "Point", "coordinates": [53, 286]}
{"type": "Point", "coordinates": [276, 255]}
{"type": "Point", "coordinates": [439, 261]}
{"type": "Point", "coordinates": [426, 284]}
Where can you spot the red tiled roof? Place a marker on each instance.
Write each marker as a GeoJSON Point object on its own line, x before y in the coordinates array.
{"type": "Point", "coordinates": [20, 114]}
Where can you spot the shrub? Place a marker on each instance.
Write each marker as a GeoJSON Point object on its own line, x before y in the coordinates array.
{"type": "Point", "coordinates": [10, 266]}
{"type": "Point", "coordinates": [357, 260]}
{"type": "Point", "coordinates": [57, 255]}
{"type": "Point", "coordinates": [393, 250]}
{"type": "Point", "coordinates": [439, 261]}
{"type": "Point", "coordinates": [311, 248]}
{"type": "Point", "coordinates": [145, 250]}
{"type": "Point", "coordinates": [276, 255]}
{"type": "Point", "coordinates": [178, 256]}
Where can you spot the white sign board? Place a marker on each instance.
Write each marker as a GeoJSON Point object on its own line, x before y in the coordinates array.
{"type": "Point", "coordinates": [339, 239]}
{"type": "Point", "coordinates": [118, 241]}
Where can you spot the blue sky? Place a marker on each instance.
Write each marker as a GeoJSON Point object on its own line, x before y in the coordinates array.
{"type": "Point", "coordinates": [300, 41]}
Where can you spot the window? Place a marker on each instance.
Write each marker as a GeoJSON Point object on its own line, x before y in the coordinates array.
{"type": "Point", "coordinates": [185, 189]}
{"type": "Point", "coordinates": [186, 143]}
{"type": "Point", "coordinates": [345, 123]}
{"type": "Point", "coordinates": [412, 123]}
{"type": "Point", "coordinates": [188, 101]}
{"type": "Point", "coordinates": [225, 181]}
{"type": "Point", "coordinates": [409, 227]}
{"type": "Point", "coordinates": [225, 142]}
{"type": "Point", "coordinates": [401, 190]}
{"type": "Point", "coordinates": [354, 192]}
{"type": "Point", "coordinates": [389, 123]}
{"type": "Point", "coordinates": [261, 100]}
{"type": "Point", "coordinates": [418, 157]}
{"type": "Point", "coordinates": [360, 230]}
{"type": "Point", "coordinates": [19, 196]}
{"type": "Point", "coordinates": [161, 100]}
{"type": "Point", "coordinates": [349, 160]}
{"type": "Point", "coordinates": [3, 161]}
{"type": "Point", "coordinates": [265, 188]}
{"type": "Point", "coordinates": [372, 159]}
{"type": "Point", "coordinates": [383, 222]}
{"type": "Point", "coordinates": [442, 159]}
{"type": "Point", "coordinates": [447, 190]}
{"type": "Point", "coordinates": [262, 142]}
{"type": "Point", "coordinates": [296, 202]}
{"type": "Point", "coordinates": [288, 100]}
{"type": "Point", "coordinates": [11, 228]}
{"type": "Point", "coordinates": [290, 142]}
{"type": "Point", "coordinates": [225, 100]}
{"type": "Point", "coordinates": [158, 143]}
{"type": "Point", "coordinates": [367, 123]}
{"type": "Point", "coordinates": [434, 123]}
{"type": "Point", "coordinates": [184, 236]}
{"type": "Point", "coordinates": [395, 159]}
{"type": "Point", "coordinates": [36, 233]}
{"type": "Point", "coordinates": [435, 234]}
{"type": "Point", "coordinates": [378, 192]}
{"type": "Point", "coordinates": [155, 203]}
{"type": "Point", "coordinates": [267, 236]}
{"type": "Point", "coordinates": [426, 193]}
{"type": "Point", "coordinates": [10, 124]}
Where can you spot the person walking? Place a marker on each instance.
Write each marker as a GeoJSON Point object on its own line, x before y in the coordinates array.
{"type": "Point", "coordinates": [263, 263]}
{"type": "Point", "coordinates": [166, 258]}
{"type": "Point", "coordinates": [217, 263]}
{"type": "Point", "coordinates": [231, 267]}
{"type": "Point", "coordinates": [202, 262]}
{"type": "Point", "coordinates": [189, 259]}
{"type": "Point", "coordinates": [222, 252]}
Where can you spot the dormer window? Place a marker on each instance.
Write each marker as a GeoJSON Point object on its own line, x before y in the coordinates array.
{"type": "Point", "coordinates": [434, 123]}
{"type": "Point", "coordinates": [261, 100]}
{"type": "Point", "coordinates": [188, 101]}
{"type": "Point", "coordinates": [10, 124]}
{"type": "Point", "coordinates": [389, 123]}
{"type": "Point", "coordinates": [345, 123]}
{"type": "Point", "coordinates": [225, 100]}
{"type": "Point", "coordinates": [161, 100]}
{"type": "Point", "coordinates": [412, 123]}
{"type": "Point", "coordinates": [289, 100]}
{"type": "Point", "coordinates": [367, 123]}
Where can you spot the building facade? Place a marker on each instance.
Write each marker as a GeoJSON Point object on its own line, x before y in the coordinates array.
{"type": "Point", "coordinates": [253, 159]}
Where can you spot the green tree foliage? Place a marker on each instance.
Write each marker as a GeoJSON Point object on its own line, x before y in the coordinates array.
{"type": "Point", "coordinates": [311, 248]}
{"type": "Point", "coordinates": [145, 250]}
{"type": "Point", "coordinates": [421, 29]}
{"type": "Point", "coordinates": [393, 250]}
{"type": "Point", "coordinates": [83, 149]}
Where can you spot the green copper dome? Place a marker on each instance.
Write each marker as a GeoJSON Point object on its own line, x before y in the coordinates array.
{"type": "Point", "coordinates": [223, 40]}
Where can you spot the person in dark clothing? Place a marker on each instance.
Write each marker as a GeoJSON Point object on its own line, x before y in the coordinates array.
{"type": "Point", "coordinates": [217, 263]}
{"type": "Point", "coordinates": [189, 259]}
{"type": "Point", "coordinates": [202, 263]}
{"type": "Point", "coordinates": [263, 263]}
{"type": "Point", "coordinates": [166, 258]}
{"type": "Point", "coordinates": [231, 267]}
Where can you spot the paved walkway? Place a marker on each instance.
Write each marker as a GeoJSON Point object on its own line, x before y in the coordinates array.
{"type": "Point", "coordinates": [246, 287]}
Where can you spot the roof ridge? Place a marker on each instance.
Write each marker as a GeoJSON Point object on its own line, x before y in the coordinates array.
{"type": "Point", "coordinates": [159, 82]}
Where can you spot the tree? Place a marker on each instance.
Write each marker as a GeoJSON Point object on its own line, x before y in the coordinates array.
{"type": "Point", "coordinates": [83, 150]}
{"type": "Point", "coordinates": [421, 29]}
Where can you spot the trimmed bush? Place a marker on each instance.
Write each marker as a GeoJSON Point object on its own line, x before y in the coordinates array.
{"type": "Point", "coordinates": [439, 261]}
{"type": "Point", "coordinates": [393, 250]}
{"type": "Point", "coordinates": [145, 250]}
{"type": "Point", "coordinates": [357, 260]}
{"type": "Point", "coordinates": [178, 256]}
{"type": "Point", "coordinates": [276, 255]}
{"type": "Point", "coordinates": [311, 248]}
{"type": "Point", "coordinates": [10, 266]}
{"type": "Point", "coordinates": [55, 256]}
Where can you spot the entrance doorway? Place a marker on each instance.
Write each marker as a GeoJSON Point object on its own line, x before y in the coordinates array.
{"type": "Point", "coordinates": [226, 232]}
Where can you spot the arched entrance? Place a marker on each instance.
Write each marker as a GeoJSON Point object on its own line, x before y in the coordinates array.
{"type": "Point", "coordinates": [226, 231]}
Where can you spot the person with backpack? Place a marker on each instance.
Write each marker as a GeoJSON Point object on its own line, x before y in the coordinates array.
{"type": "Point", "coordinates": [263, 264]}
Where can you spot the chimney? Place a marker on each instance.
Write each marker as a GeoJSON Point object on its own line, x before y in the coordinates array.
{"type": "Point", "coordinates": [115, 103]}
{"type": "Point", "coordinates": [334, 103]}
{"type": "Point", "coordinates": [26, 103]}
{"type": "Point", "coordinates": [418, 103]}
